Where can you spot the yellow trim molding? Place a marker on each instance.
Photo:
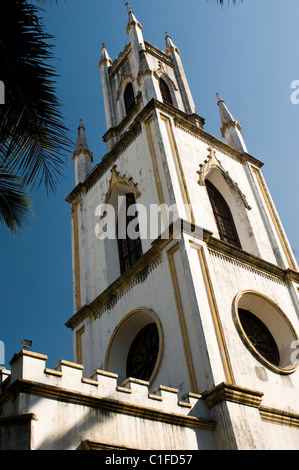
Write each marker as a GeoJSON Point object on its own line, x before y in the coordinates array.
{"type": "Point", "coordinates": [178, 165]}
{"type": "Point", "coordinates": [215, 314]}
{"type": "Point", "coordinates": [182, 321]}
{"type": "Point", "coordinates": [76, 254]}
{"type": "Point", "coordinates": [274, 217]}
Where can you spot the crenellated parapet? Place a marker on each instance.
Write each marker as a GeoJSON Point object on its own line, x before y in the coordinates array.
{"type": "Point", "coordinates": [30, 374]}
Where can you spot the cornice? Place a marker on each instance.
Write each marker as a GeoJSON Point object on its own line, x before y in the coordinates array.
{"type": "Point", "coordinates": [153, 50]}
{"type": "Point", "coordinates": [134, 273]}
{"type": "Point", "coordinates": [191, 123]}
{"type": "Point", "coordinates": [233, 393]}
{"type": "Point", "coordinates": [244, 396]}
{"type": "Point", "coordinates": [215, 142]}
{"type": "Point", "coordinates": [119, 61]}
{"type": "Point", "coordinates": [276, 416]}
{"type": "Point", "coordinates": [243, 256]}
{"type": "Point", "coordinates": [154, 254]}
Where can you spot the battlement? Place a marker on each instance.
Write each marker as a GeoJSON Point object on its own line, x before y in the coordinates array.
{"type": "Point", "coordinates": [31, 368]}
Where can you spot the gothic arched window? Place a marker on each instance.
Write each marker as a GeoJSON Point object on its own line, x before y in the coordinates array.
{"type": "Point", "coordinates": [129, 244]}
{"type": "Point", "coordinates": [165, 92]}
{"type": "Point", "coordinates": [129, 97]}
{"type": "Point", "coordinates": [223, 216]}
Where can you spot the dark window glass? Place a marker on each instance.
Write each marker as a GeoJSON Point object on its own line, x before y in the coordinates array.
{"type": "Point", "coordinates": [165, 92]}
{"type": "Point", "coordinates": [223, 216]}
{"type": "Point", "coordinates": [129, 248]}
{"type": "Point", "coordinates": [143, 353]}
{"type": "Point", "coordinates": [259, 335]}
{"type": "Point", "coordinates": [129, 97]}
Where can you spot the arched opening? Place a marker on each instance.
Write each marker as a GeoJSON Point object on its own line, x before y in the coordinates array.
{"type": "Point", "coordinates": [165, 92]}
{"type": "Point", "coordinates": [136, 346]}
{"type": "Point", "coordinates": [223, 216]}
{"type": "Point", "coordinates": [128, 237]}
{"type": "Point", "coordinates": [129, 97]}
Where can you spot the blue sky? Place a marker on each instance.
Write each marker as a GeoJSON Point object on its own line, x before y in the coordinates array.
{"type": "Point", "coordinates": [249, 54]}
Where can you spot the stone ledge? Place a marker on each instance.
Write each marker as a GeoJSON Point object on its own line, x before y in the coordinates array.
{"type": "Point", "coordinates": [281, 417]}
{"type": "Point", "coordinates": [233, 393]}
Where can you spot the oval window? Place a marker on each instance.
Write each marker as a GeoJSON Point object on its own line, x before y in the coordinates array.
{"type": "Point", "coordinates": [266, 330]}
{"type": "Point", "coordinates": [259, 336]}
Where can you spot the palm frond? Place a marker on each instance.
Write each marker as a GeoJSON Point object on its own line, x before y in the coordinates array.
{"type": "Point", "coordinates": [15, 203]}
{"type": "Point", "coordinates": [33, 139]}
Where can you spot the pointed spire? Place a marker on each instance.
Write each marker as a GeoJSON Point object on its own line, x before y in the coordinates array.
{"type": "Point", "coordinates": [132, 18]}
{"type": "Point", "coordinates": [181, 79]}
{"type": "Point", "coordinates": [82, 156]}
{"type": "Point", "coordinates": [169, 44]}
{"type": "Point", "coordinates": [105, 58]}
{"type": "Point", "coordinates": [225, 116]}
{"type": "Point", "coordinates": [231, 129]}
{"type": "Point", "coordinates": [82, 145]}
{"type": "Point", "coordinates": [134, 29]}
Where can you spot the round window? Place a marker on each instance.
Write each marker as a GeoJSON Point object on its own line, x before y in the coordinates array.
{"type": "Point", "coordinates": [143, 353]}
{"type": "Point", "coordinates": [259, 336]}
{"type": "Point", "coordinates": [266, 330]}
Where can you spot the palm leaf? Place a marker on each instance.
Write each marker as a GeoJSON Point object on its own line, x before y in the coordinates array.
{"type": "Point", "coordinates": [33, 139]}
{"type": "Point", "coordinates": [15, 203]}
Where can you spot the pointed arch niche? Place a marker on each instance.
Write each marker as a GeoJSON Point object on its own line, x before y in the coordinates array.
{"type": "Point", "coordinates": [167, 87]}
{"type": "Point", "coordinates": [228, 192]}
{"type": "Point", "coordinates": [117, 250]}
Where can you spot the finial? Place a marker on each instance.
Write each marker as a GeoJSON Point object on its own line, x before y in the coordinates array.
{"type": "Point", "coordinates": [105, 59]}
{"type": "Point", "coordinates": [81, 139]}
{"type": "Point", "coordinates": [169, 44]}
{"type": "Point", "coordinates": [128, 8]}
{"type": "Point", "coordinates": [219, 99]}
{"type": "Point", "coordinates": [230, 128]}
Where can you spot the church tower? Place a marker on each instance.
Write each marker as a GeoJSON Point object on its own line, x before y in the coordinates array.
{"type": "Point", "coordinates": [183, 274]}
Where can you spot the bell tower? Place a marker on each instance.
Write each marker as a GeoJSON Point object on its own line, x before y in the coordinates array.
{"type": "Point", "coordinates": [183, 274]}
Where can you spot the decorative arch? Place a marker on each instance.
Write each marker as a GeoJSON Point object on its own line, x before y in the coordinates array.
{"type": "Point", "coordinates": [124, 80]}
{"type": "Point", "coordinates": [118, 179]}
{"type": "Point", "coordinates": [141, 322]}
{"type": "Point", "coordinates": [121, 251]}
{"type": "Point", "coordinates": [213, 162]}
